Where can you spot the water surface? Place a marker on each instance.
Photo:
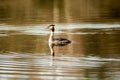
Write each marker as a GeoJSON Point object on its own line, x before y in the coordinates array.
{"type": "Point", "coordinates": [93, 53]}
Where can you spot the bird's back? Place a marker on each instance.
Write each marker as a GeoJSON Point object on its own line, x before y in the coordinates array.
{"type": "Point", "coordinates": [61, 41]}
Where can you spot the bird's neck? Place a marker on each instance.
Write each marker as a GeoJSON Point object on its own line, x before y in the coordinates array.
{"type": "Point", "coordinates": [51, 36]}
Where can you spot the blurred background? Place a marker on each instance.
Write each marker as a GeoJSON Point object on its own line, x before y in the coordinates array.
{"type": "Point", "coordinates": [22, 12]}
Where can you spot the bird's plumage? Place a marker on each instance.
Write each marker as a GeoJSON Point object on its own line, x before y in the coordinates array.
{"type": "Point", "coordinates": [57, 41]}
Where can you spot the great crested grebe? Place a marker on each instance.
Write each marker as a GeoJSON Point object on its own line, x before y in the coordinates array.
{"type": "Point", "coordinates": [57, 41]}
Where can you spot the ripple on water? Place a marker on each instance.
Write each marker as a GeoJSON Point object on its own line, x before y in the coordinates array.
{"type": "Point", "coordinates": [42, 29]}
{"type": "Point", "coordinates": [47, 67]}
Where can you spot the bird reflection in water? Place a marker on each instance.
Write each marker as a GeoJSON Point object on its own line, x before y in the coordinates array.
{"type": "Point", "coordinates": [56, 41]}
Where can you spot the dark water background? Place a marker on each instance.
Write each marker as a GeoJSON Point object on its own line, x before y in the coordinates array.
{"type": "Point", "coordinates": [29, 12]}
{"type": "Point", "coordinates": [92, 26]}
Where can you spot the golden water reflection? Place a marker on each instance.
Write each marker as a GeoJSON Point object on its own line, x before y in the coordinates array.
{"type": "Point", "coordinates": [64, 11]}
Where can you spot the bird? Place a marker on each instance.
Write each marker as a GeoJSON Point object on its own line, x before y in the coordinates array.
{"type": "Point", "coordinates": [56, 41]}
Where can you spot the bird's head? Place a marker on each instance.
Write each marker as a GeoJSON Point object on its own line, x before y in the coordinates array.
{"type": "Point", "coordinates": [51, 27]}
